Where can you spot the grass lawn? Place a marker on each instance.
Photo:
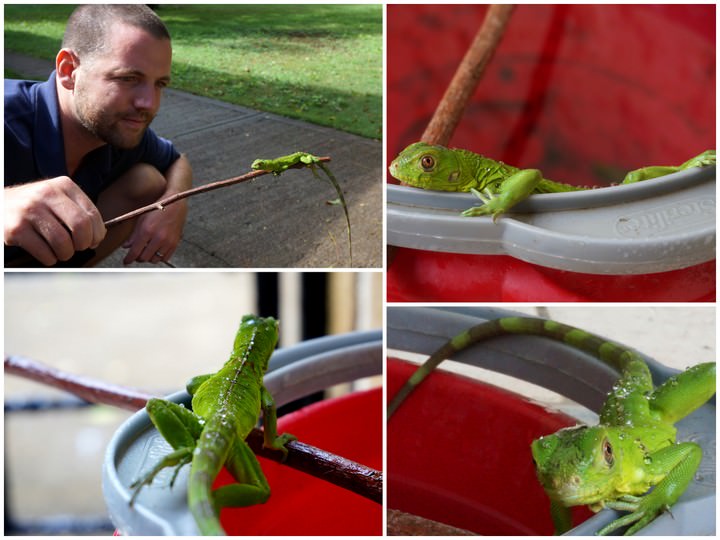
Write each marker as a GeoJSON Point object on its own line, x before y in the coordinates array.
{"type": "Point", "coordinates": [319, 63]}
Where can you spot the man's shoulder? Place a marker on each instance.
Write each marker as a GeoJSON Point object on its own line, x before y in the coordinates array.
{"type": "Point", "coordinates": [17, 85]}
{"type": "Point", "coordinates": [20, 107]}
{"type": "Point", "coordinates": [30, 128]}
{"type": "Point", "coordinates": [19, 95]}
{"type": "Point", "coordinates": [23, 97]}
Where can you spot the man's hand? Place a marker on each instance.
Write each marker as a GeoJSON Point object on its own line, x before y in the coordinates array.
{"type": "Point", "coordinates": [156, 235]}
{"type": "Point", "coordinates": [51, 219]}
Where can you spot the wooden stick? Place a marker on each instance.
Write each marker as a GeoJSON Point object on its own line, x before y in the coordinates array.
{"type": "Point", "coordinates": [461, 88]}
{"type": "Point", "coordinates": [88, 389]}
{"type": "Point", "coordinates": [303, 457]}
{"type": "Point", "coordinates": [448, 113]}
{"type": "Point", "coordinates": [159, 205]}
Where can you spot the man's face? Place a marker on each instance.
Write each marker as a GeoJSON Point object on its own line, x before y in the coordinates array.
{"type": "Point", "coordinates": [117, 91]}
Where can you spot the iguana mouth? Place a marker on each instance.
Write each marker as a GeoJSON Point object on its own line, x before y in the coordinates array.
{"type": "Point", "coordinates": [572, 492]}
{"type": "Point", "coordinates": [403, 179]}
{"type": "Point", "coordinates": [394, 170]}
{"type": "Point", "coordinates": [570, 495]}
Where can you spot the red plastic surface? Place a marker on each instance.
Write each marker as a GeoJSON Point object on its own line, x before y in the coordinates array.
{"type": "Point", "coordinates": [582, 92]}
{"type": "Point", "coordinates": [300, 504]}
{"type": "Point", "coordinates": [425, 276]}
{"type": "Point", "coordinates": [459, 452]}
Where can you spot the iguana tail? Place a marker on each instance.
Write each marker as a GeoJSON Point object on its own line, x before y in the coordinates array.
{"type": "Point", "coordinates": [341, 197]}
{"type": "Point", "coordinates": [204, 513]}
{"type": "Point", "coordinates": [206, 464]}
{"type": "Point", "coordinates": [617, 356]}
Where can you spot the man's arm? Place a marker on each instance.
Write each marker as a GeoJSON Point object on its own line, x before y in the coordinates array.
{"type": "Point", "coordinates": [157, 234]}
{"type": "Point", "coordinates": [51, 219]}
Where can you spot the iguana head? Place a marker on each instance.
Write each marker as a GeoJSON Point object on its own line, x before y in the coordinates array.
{"type": "Point", "coordinates": [260, 164]}
{"type": "Point", "coordinates": [580, 465]}
{"type": "Point", "coordinates": [429, 166]}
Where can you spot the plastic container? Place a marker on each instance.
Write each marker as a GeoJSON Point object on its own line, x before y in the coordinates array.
{"type": "Point", "coordinates": [552, 99]}
{"type": "Point", "coordinates": [461, 481]}
{"type": "Point", "coordinates": [642, 228]}
{"type": "Point", "coordinates": [299, 504]}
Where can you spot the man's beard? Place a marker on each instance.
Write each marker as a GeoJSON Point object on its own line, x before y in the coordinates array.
{"type": "Point", "coordinates": [104, 125]}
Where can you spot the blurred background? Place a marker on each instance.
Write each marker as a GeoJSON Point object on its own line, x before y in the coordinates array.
{"type": "Point", "coordinates": [147, 330]}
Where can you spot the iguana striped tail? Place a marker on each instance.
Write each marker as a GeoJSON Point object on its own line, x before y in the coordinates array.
{"type": "Point", "coordinates": [613, 354]}
{"type": "Point", "coordinates": [341, 198]}
{"type": "Point", "coordinates": [206, 465]}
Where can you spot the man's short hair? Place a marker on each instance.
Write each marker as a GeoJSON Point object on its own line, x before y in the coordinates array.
{"type": "Point", "coordinates": [89, 25]}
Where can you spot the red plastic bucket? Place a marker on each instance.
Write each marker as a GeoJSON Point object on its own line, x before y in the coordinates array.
{"type": "Point", "coordinates": [459, 453]}
{"type": "Point", "coordinates": [585, 93]}
{"type": "Point", "coordinates": [302, 505]}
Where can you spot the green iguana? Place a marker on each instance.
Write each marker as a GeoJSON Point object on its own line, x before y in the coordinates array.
{"type": "Point", "coordinates": [225, 408]}
{"type": "Point", "coordinates": [633, 447]}
{"type": "Point", "coordinates": [278, 165]}
{"type": "Point", "coordinates": [497, 185]}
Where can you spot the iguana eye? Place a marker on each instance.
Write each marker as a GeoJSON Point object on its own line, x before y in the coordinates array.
{"type": "Point", "coordinates": [608, 452]}
{"type": "Point", "coordinates": [427, 163]}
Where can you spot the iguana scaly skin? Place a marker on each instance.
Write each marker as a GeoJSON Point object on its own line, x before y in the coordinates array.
{"type": "Point", "coordinates": [497, 185]}
{"type": "Point", "coordinates": [283, 163]}
{"type": "Point", "coordinates": [633, 447]}
{"type": "Point", "coordinates": [225, 408]}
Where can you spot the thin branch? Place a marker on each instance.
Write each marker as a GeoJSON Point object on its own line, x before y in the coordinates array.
{"type": "Point", "coordinates": [450, 109]}
{"type": "Point", "coordinates": [303, 457]}
{"type": "Point", "coordinates": [159, 205]}
{"type": "Point", "coordinates": [88, 389]}
{"type": "Point", "coordinates": [461, 88]}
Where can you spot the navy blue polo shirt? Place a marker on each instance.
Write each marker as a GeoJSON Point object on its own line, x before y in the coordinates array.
{"type": "Point", "coordinates": [34, 147]}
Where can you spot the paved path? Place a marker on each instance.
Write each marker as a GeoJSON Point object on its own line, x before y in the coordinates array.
{"type": "Point", "coordinates": [271, 222]}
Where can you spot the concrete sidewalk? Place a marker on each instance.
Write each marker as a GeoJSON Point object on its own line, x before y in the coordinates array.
{"type": "Point", "coordinates": [270, 222]}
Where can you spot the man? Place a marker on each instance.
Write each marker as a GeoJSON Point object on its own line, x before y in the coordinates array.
{"type": "Point", "coordinates": [79, 151]}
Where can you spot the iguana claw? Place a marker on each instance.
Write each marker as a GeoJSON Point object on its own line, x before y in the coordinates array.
{"type": "Point", "coordinates": [280, 442]}
{"type": "Point", "coordinates": [490, 202]}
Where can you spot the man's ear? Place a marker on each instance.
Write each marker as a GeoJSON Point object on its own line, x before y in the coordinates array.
{"type": "Point", "coordinates": [66, 62]}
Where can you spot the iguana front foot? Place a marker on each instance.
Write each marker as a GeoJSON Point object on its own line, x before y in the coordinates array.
{"type": "Point", "coordinates": [492, 205]}
{"type": "Point", "coordinates": [498, 200]}
{"type": "Point", "coordinates": [677, 463]}
{"type": "Point", "coordinates": [176, 459]}
{"type": "Point", "coordinates": [641, 513]}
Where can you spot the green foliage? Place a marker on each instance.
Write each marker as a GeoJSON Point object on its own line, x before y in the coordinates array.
{"type": "Point", "coordinates": [320, 63]}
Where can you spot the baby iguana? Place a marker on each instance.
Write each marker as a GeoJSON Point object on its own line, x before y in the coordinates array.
{"type": "Point", "coordinates": [497, 185]}
{"type": "Point", "coordinates": [633, 447]}
{"type": "Point", "coordinates": [225, 408]}
{"type": "Point", "coordinates": [278, 165]}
